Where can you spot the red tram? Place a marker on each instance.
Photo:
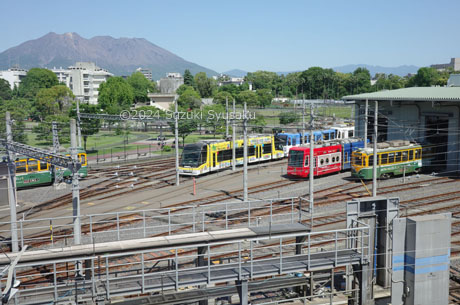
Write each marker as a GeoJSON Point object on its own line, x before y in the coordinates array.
{"type": "Point", "coordinates": [327, 160]}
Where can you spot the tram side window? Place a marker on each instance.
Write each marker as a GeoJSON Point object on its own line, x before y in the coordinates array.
{"type": "Point", "coordinates": [346, 157]}
{"type": "Point", "coordinates": [357, 160]}
{"type": "Point", "coordinates": [418, 153]}
{"type": "Point", "coordinates": [306, 161]}
{"type": "Point", "coordinates": [267, 148]}
{"type": "Point", "coordinates": [21, 167]}
{"type": "Point", "coordinates": [251, 150]}
{"type": "Point", "coordinates": [391, 157]}
{"type": "Point", "coordinates": [398, 156]}
{"type": "Point", "coordinates": [411, 155]}
{"type": "Point", "coordinates": [326, 136]}
{"type": "Point", "coordinates": [384, 158]}
{"type": "Point", "coordinates": [371, 160]}
{"type": "Point", "coordinates": [32, 165]}
{"type": "Point", "coordinates": [239, 152]}
{"type": "Point", "coordinates": [404, 155]}
{"type": "Point", "coordinates": [204, 154]}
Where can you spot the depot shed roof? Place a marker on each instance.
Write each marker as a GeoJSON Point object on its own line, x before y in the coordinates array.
{"type": "Point", "coordinates": [410, 94]}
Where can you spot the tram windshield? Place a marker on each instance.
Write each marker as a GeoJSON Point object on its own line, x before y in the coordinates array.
{"type": "Point", "coordinates": [280, 141]}
{"type": "Point", "coordinates": [295, 158]}
{"type": "Point", "coordinates": [190, 156]}
{"type": "Point", "coordinates": [357, 159]}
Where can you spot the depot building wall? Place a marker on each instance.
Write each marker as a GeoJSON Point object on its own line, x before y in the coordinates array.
{"type": "Point", "coordinates": [406, 120]}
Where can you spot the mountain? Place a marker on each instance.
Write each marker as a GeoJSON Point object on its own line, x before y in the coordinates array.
{"type": "Point", "coordinates": [400, 70]}
{"type": "Point", "coordinates": [235, 73]}
{"type": "Point", "coordinates": [120, 56]}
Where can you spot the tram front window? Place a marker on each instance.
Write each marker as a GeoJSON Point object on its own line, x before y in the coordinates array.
{"type": "Point", "coordinates": [357, 159]}
{"type": "Point", "coordinates": [280, 142]}
{"type": "Point", "coordinates": [295, 158]}
{"type": "Point", "coordinates": [190, 157]}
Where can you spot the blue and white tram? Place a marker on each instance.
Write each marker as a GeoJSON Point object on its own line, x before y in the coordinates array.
{"type": "Point", "coordinates": [294, 139]}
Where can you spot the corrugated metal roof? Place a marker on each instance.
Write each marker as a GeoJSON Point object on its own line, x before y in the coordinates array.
{"type": "Point", "coordinates": [410, 94]}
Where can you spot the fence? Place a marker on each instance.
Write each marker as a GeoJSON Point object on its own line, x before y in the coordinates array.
{"type": "Point", "coordinates": [146, 271]}
{"type": "Point", "coordinates": [51, 232]}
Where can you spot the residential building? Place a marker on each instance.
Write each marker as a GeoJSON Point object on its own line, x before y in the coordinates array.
{"type": "Point", "coordinates": [170, 83]}
{"type": "Point", "coordinates": [83, 79]}
{"type": "Point", "coordinates": [147, 73]}
{"type": "Point", "coordinates": [454, 64]}
{"type": "Point", "coordinates": [13, 75]}
{"type": "Point", "coordinates": [162, 101]}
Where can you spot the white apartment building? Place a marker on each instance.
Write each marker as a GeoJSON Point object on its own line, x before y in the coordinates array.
{"type": "Point", "coordinates": [83, 79]}
{"type": "Point", "coordinates": [13, 76]}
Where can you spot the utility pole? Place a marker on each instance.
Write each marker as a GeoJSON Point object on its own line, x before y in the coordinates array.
{"type": "Point", "coordinates": [55, 137]}
{"type": "Point", "coordinates": [78, 123]}
{"type": "Point", "coordinates": [312, 166]}
{"type": "Point", "coordinates": [75, 185]}
{"type": "Point", "coordinates": [302, 141]}
{"type": "Point", "coordinates": [233, 139]}
{"type": "Point", "coordinates": [245, 155]}
{"type": "Point", "coordinates": [176, 134]}
{"type": "Point", "coordinates": [374, 169]}
{"type": "Point", "coordinates": [366, 109]}
{"type": "Point", "coordinates": [12, 187]}
{"type": "Point", "coordinates": [226, 117]}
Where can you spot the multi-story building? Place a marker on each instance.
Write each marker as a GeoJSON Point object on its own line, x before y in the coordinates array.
{"type": "Point", "coordinates": [13, 75]}
{"type": "Point", "coordinates": [83, 79]}
{"type": "Point", "coordinates": [170, 83]}
{"type": "Point", "coordinates": [454, 64]}
{"type": "Point", "coordinates": [147, 73]}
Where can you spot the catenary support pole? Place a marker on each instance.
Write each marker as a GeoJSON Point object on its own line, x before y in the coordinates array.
{"type": "Point", "coordinates": [245, 155]}
{"type": "Point", "coordinates": [312, 164]}
{"type": "Point", "coordinates": [75, 185]}
{"type": "Point", "coordinates": [176, 135]}
{"type": "Point", "coordinates": [366, 110]}
{"type": "Point", "coordinates": [302, 140]}
{"type": "Point", "coordinates": [55, 147]}
{"type": "Point", "coordinates": [78, 123]}
{"type": "Point", "coordinates": [226, 118]}
{"type": "Point", "coordinates": [233, 138]}
{"type": "Point", "coordinates": [12, 187]}
{"type": "Point", "coordinates": [374, 138]}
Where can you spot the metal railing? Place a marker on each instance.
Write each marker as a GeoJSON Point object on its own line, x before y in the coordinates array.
{"type": "Point", "coordinates": [58, 231]}
{"type": "Point", "coordinates": [146, 271]}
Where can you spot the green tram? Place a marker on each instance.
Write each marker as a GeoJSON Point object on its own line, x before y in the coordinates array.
{"type": "Point", "coordinates": [394, 158]}
{"type": "Point", "coordinates": [32, 172]}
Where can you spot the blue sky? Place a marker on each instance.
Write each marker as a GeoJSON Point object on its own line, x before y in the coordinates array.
{"type": "Point", "coordinates": [255, 35]}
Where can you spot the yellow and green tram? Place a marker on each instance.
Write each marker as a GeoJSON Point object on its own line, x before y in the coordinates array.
{"type": "Point", "coordinates": [32, 172]}
{"type": "Point", "coordinates": [394, 158]}
{"type": "Point", "coordinates": [212, 155]}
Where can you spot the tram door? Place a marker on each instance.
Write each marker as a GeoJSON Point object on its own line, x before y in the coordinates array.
{"type": "Point", "coordinates": [436, 133]}
{"type": "Point", "coordinates": [214, 159]}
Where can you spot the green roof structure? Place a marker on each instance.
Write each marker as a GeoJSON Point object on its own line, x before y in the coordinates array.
{"type": "Point", "coordinates": [447, 94]}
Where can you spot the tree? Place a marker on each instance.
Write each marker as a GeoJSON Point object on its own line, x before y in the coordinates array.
{"type": "Point", "coordinates": [264, 97]}
{"type": "Point", "coordinates": [183, 88]}
{"type": "Point", "coordinates": [88, 127]}
{"type": "Point", "coordinates": [257, 123]}
{"type": "Point", "coordinates": [188, 78]}
{"type": "Point", "coordinates": [250, 97]}
{"type": "Point", "coordinates": [5, 90]}
{"type": "Point", "coordinates": [215, 117]}
{"type": "Point", "coordinates": [18, 110]}
{"type": "Point", "coordinates": [233, 89]}
{"type": "Point", "coordinates": [52, 101]}
{"type": "Point", "coordinates": [115, 95]}
{"type": "Point", "coordinates": [186, 125]}
{"type": "Point", "coordinates": [36, 79]}
{"type": "Point", "coordinates": [262, 79]}
{"type": "Point", "coordinates": [204, 85]}
{"type": "Point", "coordinates": [141, 87]}
{"type": "Point", "coordinates": [425, 77]}
{"type": "Point", "coordinates": [189, 99]}
{"type": "Point", "coordinates": [44, 129]}
{"type": "Point", "coordinates": [221, 97]}
{"type": "Point", "coordinates": [288, 118]}
{"type": "Point", "coordinates": [362, 79]}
